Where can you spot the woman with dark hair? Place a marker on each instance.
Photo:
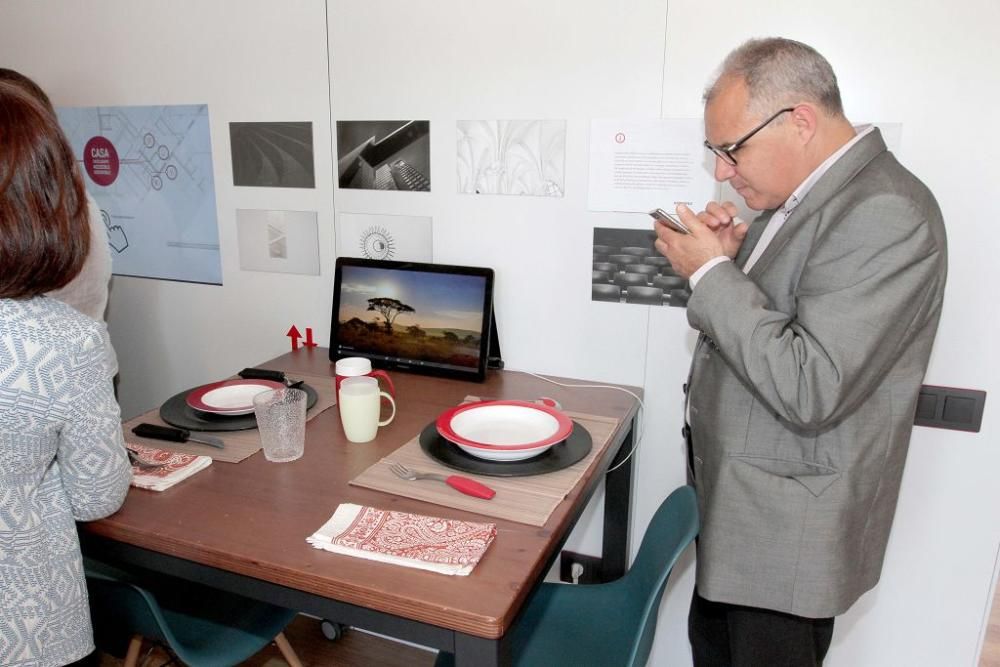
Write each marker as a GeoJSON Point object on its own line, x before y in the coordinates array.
{"type": "Point", "coordinates": [62, 458]}
{"type": "Point", "coordinates": [88, 291]}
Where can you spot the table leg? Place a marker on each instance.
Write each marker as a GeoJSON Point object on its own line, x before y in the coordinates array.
{"type": "Point", "coordinates": [473, 651]}
{"type": "Point", "coordinates": [618, 511]}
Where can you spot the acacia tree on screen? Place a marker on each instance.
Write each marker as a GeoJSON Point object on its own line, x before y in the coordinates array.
{"type": "Point", "coordinates": [390, 309]}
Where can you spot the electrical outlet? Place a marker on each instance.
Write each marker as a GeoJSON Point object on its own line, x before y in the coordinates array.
{"type": "Point", "coordinates": [591, 567]}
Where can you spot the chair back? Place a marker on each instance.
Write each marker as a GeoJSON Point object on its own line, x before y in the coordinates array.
{"type": "Point", "coordinates": [204, 627]}
{"type": "Point", "coordinates": [672, 528]}
{"type": "Point", "coordinates": [114, 596]}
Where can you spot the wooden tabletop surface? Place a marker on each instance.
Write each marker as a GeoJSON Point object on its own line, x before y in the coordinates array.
{"type": "Point", "coordinates": [253, 517]}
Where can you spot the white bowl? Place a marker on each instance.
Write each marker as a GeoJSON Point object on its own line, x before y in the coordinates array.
{"type": "Point", "coordinates": [504, 425]}
{"type": "Point", "coordinates": [491, 454]}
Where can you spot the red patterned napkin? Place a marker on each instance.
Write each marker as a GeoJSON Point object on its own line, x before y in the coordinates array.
{"type": "Point", "coordinates": [447, 546]}
{"type": "Point", "coordinates": [178, 467]}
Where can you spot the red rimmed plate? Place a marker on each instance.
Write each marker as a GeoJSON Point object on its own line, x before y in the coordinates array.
{"type": "Point", "coordinates": [229, 397]}
{"type": "Point", "coordinates": [504, 426]}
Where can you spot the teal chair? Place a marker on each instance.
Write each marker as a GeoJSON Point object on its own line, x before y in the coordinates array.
{"type": "Point", "coordinates": [606, 624]}
{"type": "Point", "coordinates": [204, 627]}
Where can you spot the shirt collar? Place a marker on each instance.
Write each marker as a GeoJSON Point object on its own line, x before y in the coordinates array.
{"type": "Point", "coordinates": [806, 185]}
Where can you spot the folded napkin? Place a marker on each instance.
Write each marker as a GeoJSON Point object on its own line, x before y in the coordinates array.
{"type": "Point", "coordinates": [178, 467]}
{"type": "Point", "coordinates": [446, 546]}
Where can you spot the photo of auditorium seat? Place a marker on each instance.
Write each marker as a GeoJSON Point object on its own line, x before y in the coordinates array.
{"type": "Point", "coordinates": [667, 283]}
{"type": "Point", "coordinates": [605, 293]}
{"type": "Point", "coordinates": [627, 268]}
{"type": "Point", "coordinates": [668, 271]}
{"type": "Point", "coordinates": [627, 279]}
{"type": "Point", "coordinates": [621, 259]}
{"type": "Point", "coordinates": [644, 269]}
{"type": "Point", "coordinates": [638, 251]}
{"type": "Point", "coordinates": [601, 277]}
{"type": "Point", "coordinates": [650, 296]}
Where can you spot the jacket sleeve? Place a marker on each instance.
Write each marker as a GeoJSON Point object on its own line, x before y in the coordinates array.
{"type": "Point", "coordinates": [870, 284]}
{"type": "Point", "coordinates": [93, 463]}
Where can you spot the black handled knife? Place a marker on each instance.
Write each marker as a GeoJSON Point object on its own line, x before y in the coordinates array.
{"type": "Point", "coordinates": [265, 374]}
{"type": "Point", "coordinates": [175, 435]}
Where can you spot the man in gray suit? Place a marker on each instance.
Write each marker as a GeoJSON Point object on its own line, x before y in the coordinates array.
{"type": "Point", "coordinates": [816, 322]}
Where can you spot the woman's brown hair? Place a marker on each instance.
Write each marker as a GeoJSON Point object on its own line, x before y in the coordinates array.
{"type": "Point", "coordinates": [44, 233]}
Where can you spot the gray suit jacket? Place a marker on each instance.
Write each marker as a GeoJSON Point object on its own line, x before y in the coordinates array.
{"type": "Point", "coordinates": [804, 385]}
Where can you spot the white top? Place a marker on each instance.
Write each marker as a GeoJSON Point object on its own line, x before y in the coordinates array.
{"type": "Point", "coordinates": [88, 291]}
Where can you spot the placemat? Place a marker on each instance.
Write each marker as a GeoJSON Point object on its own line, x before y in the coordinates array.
{"type": "Point", "coordinates": [239, 444]}
{"type": "Point", "coordinates": [527, 500]}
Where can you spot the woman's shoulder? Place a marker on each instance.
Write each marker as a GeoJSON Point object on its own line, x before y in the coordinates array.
{"type": "Point", "coordinates": [48, 321]}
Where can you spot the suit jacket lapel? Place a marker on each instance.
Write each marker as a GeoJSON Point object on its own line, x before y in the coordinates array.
{"type": "Point", "coordinates": [753, 236]}
{"type": "Point", "coordinates": [840, 174]}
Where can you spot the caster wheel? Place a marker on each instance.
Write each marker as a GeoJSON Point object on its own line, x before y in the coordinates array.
{"type": "Point", "coordinates": [332, 631]}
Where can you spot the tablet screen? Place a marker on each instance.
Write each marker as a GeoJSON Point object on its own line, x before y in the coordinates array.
{"type": "Point", "coordinates": [426, 318]}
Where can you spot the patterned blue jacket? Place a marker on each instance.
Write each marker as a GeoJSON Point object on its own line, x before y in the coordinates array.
{"type": "Point", "coordinates": [61, 459]}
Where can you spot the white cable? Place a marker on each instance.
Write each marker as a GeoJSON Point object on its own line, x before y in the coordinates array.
{"type": "Point", "coordinates": [638, 417]}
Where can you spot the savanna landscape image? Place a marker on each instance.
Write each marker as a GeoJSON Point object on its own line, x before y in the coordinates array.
{"type": "Point", "coordinates": [412, 315]}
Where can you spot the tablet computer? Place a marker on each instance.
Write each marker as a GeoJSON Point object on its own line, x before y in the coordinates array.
{"type": "Point", "coordinates": [412, 316]}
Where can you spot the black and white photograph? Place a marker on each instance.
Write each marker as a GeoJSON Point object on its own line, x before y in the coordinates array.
{"type": "Point", "coordinates": [278, 241]}
{"type": "Point", "coordinates": [512, 157]}
{"type": "Point", "coordinates": [403, 238]}
{"type": "Point", "coordinates": [272, 155]}
{"type": "Point", "coordinates": [384, 155]}
{"type": "Point", "coordinates": [628, 269]}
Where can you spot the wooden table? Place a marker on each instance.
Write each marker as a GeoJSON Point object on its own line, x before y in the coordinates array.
{"type": "Point", "coordinates": [242, 527]}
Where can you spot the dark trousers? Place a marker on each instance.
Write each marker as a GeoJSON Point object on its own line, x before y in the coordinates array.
{"type": "Point", "coordinates": [92, 660]}
{"type": "Point", "coordinates": [728, 635]}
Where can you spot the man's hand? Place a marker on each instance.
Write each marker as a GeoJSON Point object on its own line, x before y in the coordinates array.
{"type": "Point", "coordinates": [715, 232]}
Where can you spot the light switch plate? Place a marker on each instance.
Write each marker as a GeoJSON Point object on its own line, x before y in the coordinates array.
{"type": "Point", "coordinates": [948, 407]}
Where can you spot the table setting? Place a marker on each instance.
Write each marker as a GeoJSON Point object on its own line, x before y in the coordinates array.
{"type": "Point", "coordinates": [218, 419]}
{"type": "Point", "coordinates": [506, 459]}
{"type": "Point", "coordinates": [529, 454]}
{"type": "Point", "coordinates": [252, 521]}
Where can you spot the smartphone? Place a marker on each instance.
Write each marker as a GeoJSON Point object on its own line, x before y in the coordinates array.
{"type": "Point", "coordinates": [669, 220]}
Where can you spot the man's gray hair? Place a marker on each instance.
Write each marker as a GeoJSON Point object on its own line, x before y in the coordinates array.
{"type": "Point", "coordinates": [780, 72]}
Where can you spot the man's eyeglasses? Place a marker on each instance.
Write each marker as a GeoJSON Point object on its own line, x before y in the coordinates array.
{"type": "Point", "coordinates": [726, 152]}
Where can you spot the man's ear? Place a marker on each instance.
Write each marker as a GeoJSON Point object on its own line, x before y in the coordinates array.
{"type": "Point", "coordinates": [805, 118]}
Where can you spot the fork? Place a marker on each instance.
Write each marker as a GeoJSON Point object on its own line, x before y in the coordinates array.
{"type": "Point", "coordinates": [469, 487]}
{"type": "Point", "coordinates": [135, 459]}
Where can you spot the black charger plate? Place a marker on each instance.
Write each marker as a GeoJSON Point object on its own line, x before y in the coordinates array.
{"type": "Point", "coordinates": [177, 412]}
{"type": "Point", "coordinates": [563, 455]}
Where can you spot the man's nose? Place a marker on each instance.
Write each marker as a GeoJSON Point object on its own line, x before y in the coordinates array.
{"type": "Point", "coordinates": [723, 170]}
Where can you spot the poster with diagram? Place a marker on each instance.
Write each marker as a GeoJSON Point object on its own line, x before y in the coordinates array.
{"type": "Point", "coordinates": [150, 170]}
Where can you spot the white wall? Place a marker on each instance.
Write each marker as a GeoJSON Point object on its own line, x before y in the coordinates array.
{"type": "Point", "coordinates": [928, 66]}
{"type": "Point", "coordinates": [249, 61]}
